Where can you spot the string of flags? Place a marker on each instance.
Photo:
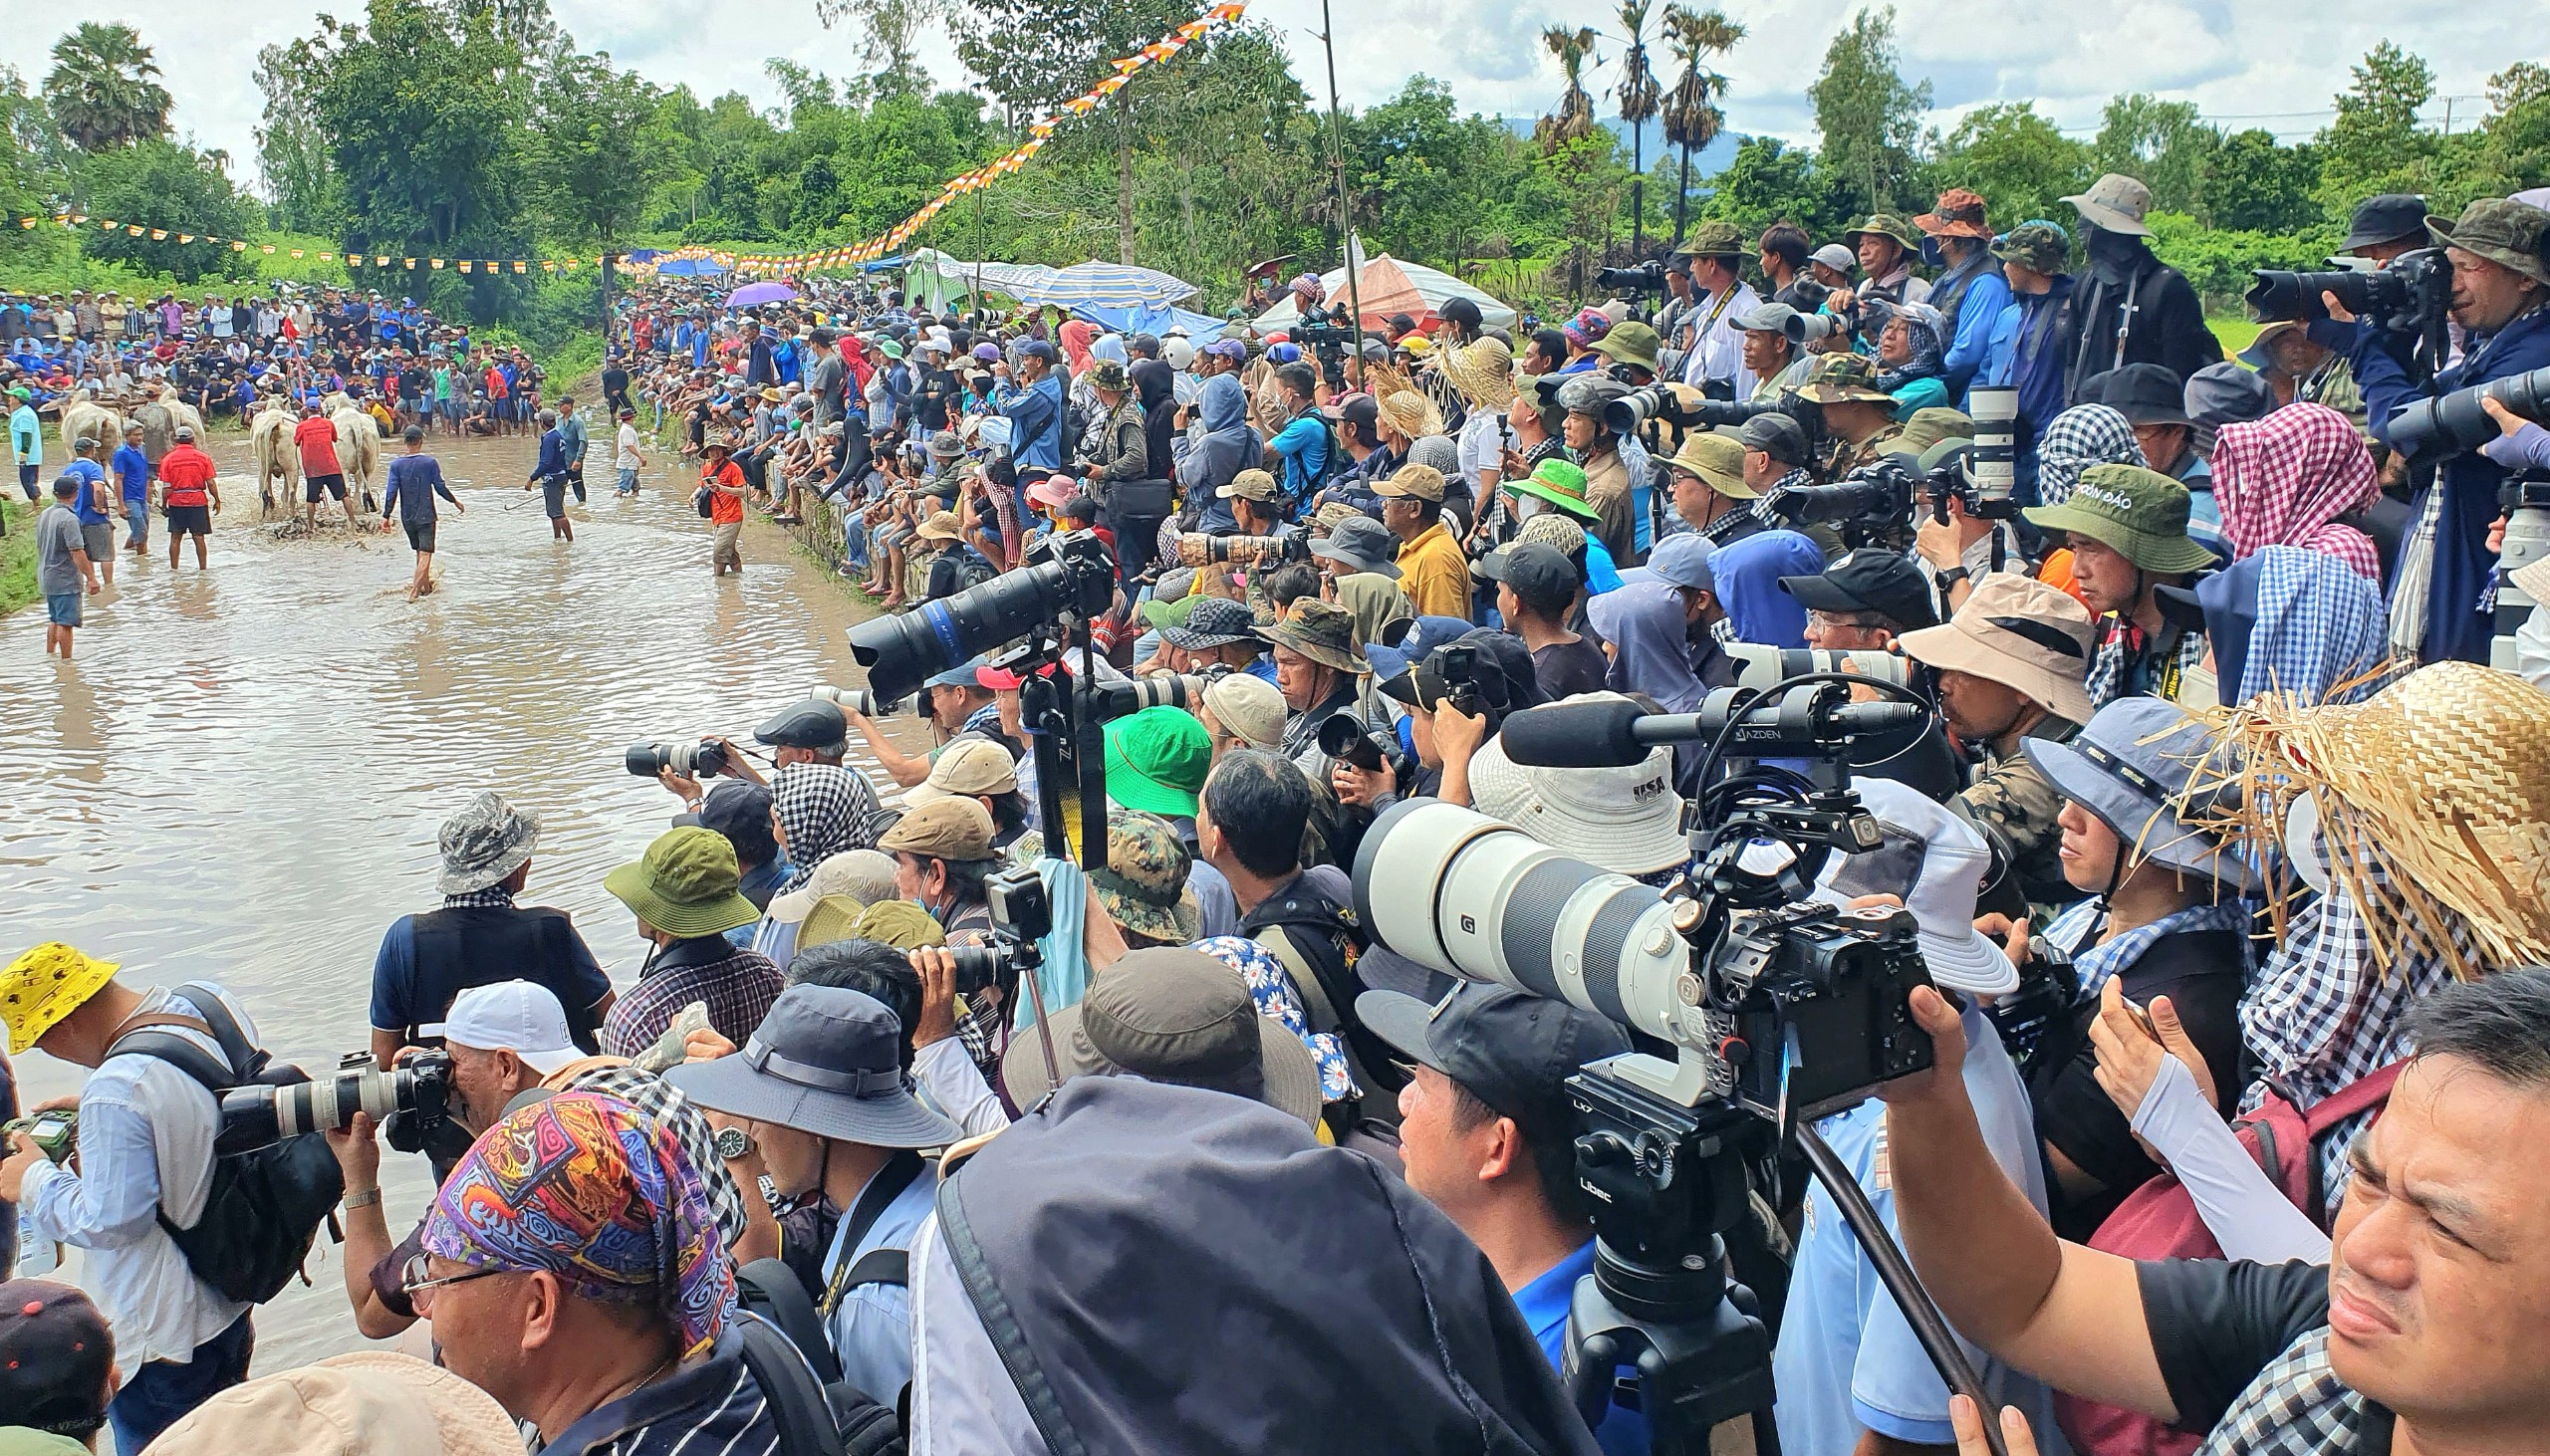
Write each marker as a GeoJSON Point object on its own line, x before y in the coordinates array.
{"type": "Point", "coordinates": [883, 245]}
{"type": "Point", "coordinates": [892, 241]}
{"type": "Point", "coordinates": [351, 260]}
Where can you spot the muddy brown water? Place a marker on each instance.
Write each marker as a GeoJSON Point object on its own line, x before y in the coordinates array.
{"type": "Point", "coordinates": [240, 775]}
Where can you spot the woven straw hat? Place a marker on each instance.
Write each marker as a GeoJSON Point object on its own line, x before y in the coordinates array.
{"type": "Point", "coordinates": [2434, 800]}
{"type": "Point", "coordinates": [1411, 414]}
{"type": "Point", "coordinates": [1483, 371]}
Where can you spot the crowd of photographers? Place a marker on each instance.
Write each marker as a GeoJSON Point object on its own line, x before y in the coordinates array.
{"type": "Point", "coordinates": [1080, 1084]}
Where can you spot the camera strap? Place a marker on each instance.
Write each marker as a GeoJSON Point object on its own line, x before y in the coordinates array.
{"type": "Point", "coordinates": [882, 1189]}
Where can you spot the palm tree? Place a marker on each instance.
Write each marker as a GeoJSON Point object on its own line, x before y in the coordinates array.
{"type": "Point", "coordinates": [1575, 115]}
{"type": "Point", "coordinates": [1691, 116]}
{"type": "Point", "coordinates": [103, 88]}
{"type": "Point", "coordinates": [1639, 95]}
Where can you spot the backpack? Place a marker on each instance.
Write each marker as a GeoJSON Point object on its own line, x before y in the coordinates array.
{"type": "Point", "coordinates": [704, 500]}
{"type": "Point", "coordinates": [859, 1424]}
{"type": "Point", "coordinates": [265, 1205]}
{"type": "Point", "coordinates": [2160, 1221]}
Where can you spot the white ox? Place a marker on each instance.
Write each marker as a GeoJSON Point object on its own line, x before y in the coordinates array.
{"type": "Point", "coordinates": [270, 445]}
{"type": "Point", "coordinates": [358, 455]}
{"type": "Point", "coordinates": [90, 419]}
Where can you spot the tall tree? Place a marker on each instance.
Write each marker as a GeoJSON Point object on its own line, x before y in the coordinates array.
{"type": "Point", "coordinates": [1638, 96]}
{"type": "Point", "coordinates": [1691, 115]}
{"type": "Point", "coordinates": [2163, 143]}
{"type": "Point", "coordinates": [292, 150]}
{"type": "Point", "coordinates": [105, 87]}
{"type": "Point", "coordinates": [595, 153]}
{"type": "Point", "coordinates": [2374, 144]}
{"type": "Point", "coordinates": [2016, 159]}
{"type": "Point", "coordinates": [1033, 55]}
{"type": "Point", "coordinates": [159, 183]}
{"type": "Point", "coordinates": [1574, 118]}
{"type": "Point", "coordinates": [1869, 116]}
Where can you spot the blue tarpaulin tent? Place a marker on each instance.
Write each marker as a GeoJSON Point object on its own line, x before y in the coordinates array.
{"type": "Point", "coordinates": [1154, 319]}
{"type": "Point", "coordinates": [692, 268]}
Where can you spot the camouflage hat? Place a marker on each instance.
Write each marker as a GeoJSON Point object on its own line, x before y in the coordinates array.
{"type": "Point", "coordinates": [1108, 374]}
{"type": "Point", "coordinates": [484, 842]}
{"type": "Point", "coordinates": [2139, 514]}
{"type": "Point", "coordinates": [1328, 517]}
{"type": "Point", "coordinates": [1712, 240]}
{"type": "Point", "coordinates": [1836, 378]}
{"type": "Point", "coordinates": [1886, 224]}
{"type": "Point", "coordinates": [2506, 233]}
{"type": "Point", "coordinates": [2036, 245]}
{"type": "Point", "coordinates": [1630, 343]}
{"type": "Point", "coordinates": [1324, 632]}
{"type": "Point", "coordinates": [1550, 529]}
{"type": "Point", "coordinates": [1957, 214]}
{"type": "Point", "coordinates": [1144, 882]}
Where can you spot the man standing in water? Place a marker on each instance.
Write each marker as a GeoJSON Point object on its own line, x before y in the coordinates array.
{"type": "Point", "coordinates": [187, 480]}
{"type": "Point", "coordinates": [724, 482]}
{"type": "Point", "coordinates": [415, 478]}
{"type": "Point", "coordinates": [550, 475]}
{"type": "Point", "coordinates": [320, 472]}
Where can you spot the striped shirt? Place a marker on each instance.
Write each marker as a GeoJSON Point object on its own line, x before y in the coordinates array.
{"type": "Point", "coordinates": [708, 1407]}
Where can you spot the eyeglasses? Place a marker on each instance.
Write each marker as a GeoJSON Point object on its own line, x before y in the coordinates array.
{"type": "Point", "coordinates": [417, 1283]}
{"type": "Point", "coordinates": [1830, 621]}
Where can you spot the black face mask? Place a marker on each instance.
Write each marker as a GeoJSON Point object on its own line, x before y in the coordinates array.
{"type": "Point", "coordinates": [2114, 256]}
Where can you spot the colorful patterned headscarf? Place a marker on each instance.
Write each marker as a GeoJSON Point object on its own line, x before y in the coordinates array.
{"type": "Point", "coordinates": [2284, 480]}
{"type": "Point", "coordinates": [1588, 328]}
{"type": "Point", "coordinates": [2077, 438]}
{"type": "Point", "coordinates": [584, 1188]}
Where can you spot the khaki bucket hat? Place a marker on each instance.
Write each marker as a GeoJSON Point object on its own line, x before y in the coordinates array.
{"type": "Point", "coordinates": [2021, 633]}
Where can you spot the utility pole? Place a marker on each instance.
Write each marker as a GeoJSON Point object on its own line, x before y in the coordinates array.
{"type": "Point", "coordinates": [1336, 177]}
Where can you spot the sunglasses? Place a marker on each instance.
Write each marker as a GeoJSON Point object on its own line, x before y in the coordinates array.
{"type": "Point", "coordinates": [416, 1281]}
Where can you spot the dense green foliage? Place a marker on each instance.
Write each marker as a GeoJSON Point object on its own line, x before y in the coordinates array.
{"type": "Point", "coordinates": [477, 128]}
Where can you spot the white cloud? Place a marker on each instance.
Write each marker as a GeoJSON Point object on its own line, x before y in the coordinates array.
{"type": "Point", "coordinates": [2250, 64]}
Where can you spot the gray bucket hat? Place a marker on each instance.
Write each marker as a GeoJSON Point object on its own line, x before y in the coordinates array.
{"type": "Point", "coordinates": [825, 1060]}
{"type": "Point", "coordinates": [2132, 764]}
{"type": "Point", "coordinates": [484, 842]}
{"type": "Point", "coordinates": [1361, 543]}
{"type": "Point", "coordinates": [2115, 202]}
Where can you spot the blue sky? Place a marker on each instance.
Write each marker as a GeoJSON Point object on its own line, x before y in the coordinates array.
{"type": "Point", "coordinates": [2246, 64]}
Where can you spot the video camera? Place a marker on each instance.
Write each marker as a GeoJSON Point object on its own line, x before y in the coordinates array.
{"type": "Point", "coordinates": [1022, 916]}
{"type": "Point", "coordinates": [1773, 1010]}
{"type": "Point", "coordinates": [2411, 293]}
{"type": "Point", "coordinates": [1328, 335]}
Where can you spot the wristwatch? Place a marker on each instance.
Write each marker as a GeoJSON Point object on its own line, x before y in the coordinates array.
{"type": "Point", "coordinates": [735, 1143]}
{"type": "Point", "coordinates": [1952, 576]}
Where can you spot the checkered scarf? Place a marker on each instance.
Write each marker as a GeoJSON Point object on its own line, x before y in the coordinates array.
{"type": "Point", "coordinates": [823, 809]}
{"type": "Point", "coordinates": [492, 897]}
{"type": "Point", "coordinates": [2096, 962]}
{"type": "Point", "coordinates": [2297, 1406]}
{"type": "Point", "coordinates": [2080, 437]}
{"type": "Point", "coordinates": [2318, 625]}
{"type": "Point", "coordinates": [2285, 479]}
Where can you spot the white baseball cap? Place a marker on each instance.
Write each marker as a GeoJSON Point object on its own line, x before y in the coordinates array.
{"type": "Point", "coordinates": [516, 1017]}
{"type": "Point", "coordinates": [1936, 862]}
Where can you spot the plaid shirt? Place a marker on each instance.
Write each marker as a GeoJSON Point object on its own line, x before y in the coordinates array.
{"type": "Point", "coordinates": [659, 1101]}
{"type": "Point", "coordinates": [2131, 663]}
{"type": "Point", "coordinates": [2098, 963]}
{"type": "Point", "coordinates": [737, 985]}
{"type": "Point", "coordinates": [2297, 1406]}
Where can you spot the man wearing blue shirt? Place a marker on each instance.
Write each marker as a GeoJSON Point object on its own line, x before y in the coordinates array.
{"type": "Point", "coordinates": [26, 438]}
{"type": "Point", "coordinates": [826, 1086]}
{"type": "Point", "coordinates": [95, 504]}
{"type": "Point", "coordinates": [1488, 1137]}
{"type": "Point", "coordinates": [1970, 294]}
{"type": "Point", "coordinates": [415, 478]}
{"type": "Point", "coordinates": [132, 466]}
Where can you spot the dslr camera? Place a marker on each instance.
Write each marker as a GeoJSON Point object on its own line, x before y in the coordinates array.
{"type": "Point", "coordinates": [1022, 916]}
{"type": "Point", "coordinates": [2411, 293]}
{"type": "Point", "coordinates": [409, 1102]}
{"type": "Point", "coordinates": [1639, 278]}
{"type": "Point", "coordinates": [1872, 505]}
{"type": "Point", "coordinates": [701, 760]}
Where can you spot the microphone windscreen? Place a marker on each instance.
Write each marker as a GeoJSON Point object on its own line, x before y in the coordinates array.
{"type": "Point", "coordinates": [1595, 735]}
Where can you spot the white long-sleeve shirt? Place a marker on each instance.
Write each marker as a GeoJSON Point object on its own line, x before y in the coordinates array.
{"type": "Point", "coordinates": [1717, 351]}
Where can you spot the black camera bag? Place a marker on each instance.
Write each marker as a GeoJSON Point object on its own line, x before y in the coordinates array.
{"type": "Point", "coordinates": [264, 1207]}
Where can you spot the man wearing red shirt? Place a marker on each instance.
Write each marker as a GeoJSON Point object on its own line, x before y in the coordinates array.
{"type": "Point", "coordinates": [320, 474]}
{"type": "Point", "coordinates": [189, 498]}
{"type": "Point", "coordinates": [499, 403]}
{"type": "Point", "coordinates": [724, 482]}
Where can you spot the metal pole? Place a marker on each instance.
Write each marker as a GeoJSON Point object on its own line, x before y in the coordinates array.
{"type": "Point", "coordinates": [978, 252]}
{"type": "Point", "coordinates": [1337, 176]}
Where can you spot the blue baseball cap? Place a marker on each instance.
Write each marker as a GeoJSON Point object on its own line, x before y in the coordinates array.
{"type": "Point", "coordinates": [1409, 641]}
{"type": "Point", "coordinates": [960, 675]}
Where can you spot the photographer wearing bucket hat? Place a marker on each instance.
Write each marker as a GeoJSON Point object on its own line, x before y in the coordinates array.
{"type": "Point", "coordinates": [826, 1094]}
{"type": "Point", "coordinates": [685, 893]}
{"type": "Point", "coordinates": [1847, 1366]}
{"type": "Point", "coordinates": [2010, 664]}
{"type": "Point", "coordinates": [2163, 920]}
{"type": "Point", "coordinates": [1706, 342]}
{"type": "Point", "coordinates": [2130, 307]}
{"type": "Point", "coordinates": [1710, 493]}
{"type": "Point", "coordinates": [145, 1167]}
{"type": "Point", "coordinates": [2128, 527]}
{"type": "Point", "coordinates": [2501, 254]}
{"type": "Point", "coordinates": [1887, 248]}
{"type": "Point", "coordinates": [1970, 292]}
{"type": "Point", "coordinates": [1856, 414]}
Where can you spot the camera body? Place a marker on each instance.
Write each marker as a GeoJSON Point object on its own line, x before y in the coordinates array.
{"type": "Point", "coordinates": [55, 1132]}
{"type": "Point", "coordinates": [1022, 916]}
{"type": "Point", "coordinates": [703, 760]}
{"type": "Point", "coordinates": [1873, 504]}
{"type": "Point", "coordinates": [1822, 1003]}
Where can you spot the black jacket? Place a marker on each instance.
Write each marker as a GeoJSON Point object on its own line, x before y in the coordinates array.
{"type": "Point", "coordinates": [2166, 326]}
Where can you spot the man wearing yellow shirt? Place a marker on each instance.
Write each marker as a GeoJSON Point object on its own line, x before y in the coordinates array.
{"type": "Point", "coordinates": [1432, 571]}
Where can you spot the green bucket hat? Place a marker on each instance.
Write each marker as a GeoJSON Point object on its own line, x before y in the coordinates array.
{"type": "Point", "coordinates": [1162, 616]}
{"type": "Point", "coordinates": [2506, 232]}
{"type": "Point", "coordinates": [1528, 395]}
{"type": "Point", "coordinates": [1156, 760]}
{"type": "Point", "coordinates": [1929, 428]}
{"type": "Point", "coordinates": [1712, 240]}
{"type": "Point", "coordinates": [1836, 378]}
{"type": "Point", "coordinates": [2139, 514]}
{"type": "Point", "coordinates": [684, 885]}
{"type": "Point", "coordinates": [1890, 225]}
{"type": "Point", "coordinates": [1324, 632]}
{"type": "Point", "coordinates": [1561, 483]}
{"type": "Point", "coordinates": [2036, 245]}
{"type": "Point", "coordinates": [1630, 343]}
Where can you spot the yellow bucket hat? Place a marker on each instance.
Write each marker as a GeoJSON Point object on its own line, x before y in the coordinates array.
{"type": "Point", "coordinates": [44, 985]}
